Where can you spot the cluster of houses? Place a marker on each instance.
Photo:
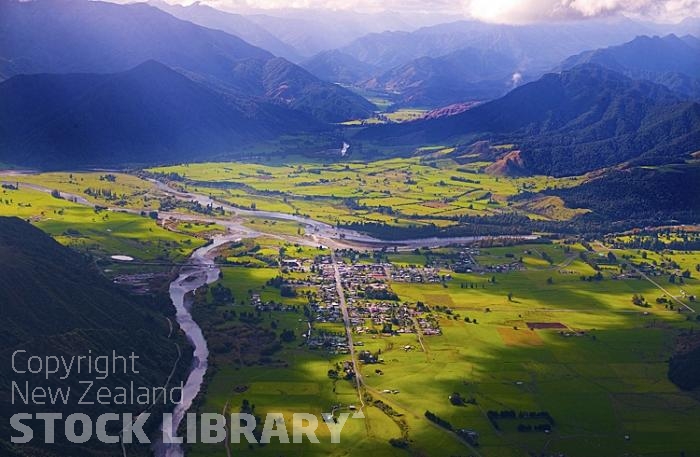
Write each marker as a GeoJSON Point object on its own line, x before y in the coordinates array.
{"type": "Point", "coordinates": [333, 343]}
{"type": "Point", "coordinates": [391, 316]}
{"type": "Point", "coordinates": [505, 267]}
{"type": "Point", "coordinates": [651, 270]}
{"type": "Point", "coordinates": [293, 265]}
{"type": "Point", "coordinates": [429, 326]}
{"type": "Point", "coordinates": [371, 304]}
{"type": "Point", "coordinates": [267, 306]}
{"type": "Point", "coordinates": [326, 309]}
{"type": "Point", "coordinates": [627, 275]}
{"type": "Point", "coordinates": [466, 262]}
{"type": "Point", "coordinates": [417, 275]}
{"type": "Point", "coordinates": [373, 307]}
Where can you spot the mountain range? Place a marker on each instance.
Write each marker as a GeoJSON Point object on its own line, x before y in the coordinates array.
{"type": "Point", "coordinates": [148, 114]}
{"type": "Point", "coordinates": [292, 32]}
{"type": "Point", "coordinates": [569, 123]}
{"type": "Point", "coordinates": [72, 36]}
{"type": "Point", "coordinates": [95, 83]}
{"type": "Point", "coordinates": [326, 28]}
{"type": "Point", "coordinates": [336, 66]}
{"type": "Point", "coordinates": [474, 61]}
{"type": "Point", "coordinates": [668, 60]}
{"type": "Point", "coordinates": [463, 75]}
{"type": "Point", "coordinates": [234, 24]}
{"type": "Point", "coordinates": [536, 47]}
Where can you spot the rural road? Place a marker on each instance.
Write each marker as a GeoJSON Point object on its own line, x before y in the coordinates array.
{"type": "Point", "coordinates": [201, 270]}
{"type": "Point", "coordinates": [661, 288]}
{"type": "Point", "coordinates": [656, 284]}
{"type": "Point", "coordinates": [348, 329]}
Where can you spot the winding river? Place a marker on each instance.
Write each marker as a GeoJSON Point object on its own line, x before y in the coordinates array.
{"type": "Point", "coordinates": [342, 237]}
{"type": "Point", "coordinates": [200, 271]}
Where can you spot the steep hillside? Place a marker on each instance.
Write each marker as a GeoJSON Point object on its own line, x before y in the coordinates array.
{"type": "Point", "coordinates": [299, 90]}
{"type": "Point", "coordinates": [234, 24]}
{"type": "Point", "coordinates": [463, 75]}
{"type": "Point", "coordinates": [669, 60]}
{"type": "Point", "coordinates": [663, 194]}
{"type": "Point", "coordinates": [54, 303]}
{"type": "Point", "coordinates": [336, 66]}
{"type": "Point", "coordinates": [67, 36]}
{"type": "Point", "coordinates": [537, 47]}
{"type": "Point", "coordinates": [570, 123]}
{"type": "Point", "coordinates": [148, 114]}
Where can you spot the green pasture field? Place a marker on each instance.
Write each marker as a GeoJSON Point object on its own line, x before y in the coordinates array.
{"type": "Point", "coordinates": [599, 387]}
{"type": "Point", "coordinates": [601, 376]}
{"type": "Point", "coordinates": [398, 116]}
{"type": "Point", "coordinates": [533, 255]}
{"type": "Point", "coordinates": [602, 382]}
{"type": "Point", "coordinates": [412, 188]}
{"type": "Point", "coordinates": [302, 385]}
{"type": "Point", "coordinates": [196, 228]}
{"type": "Point", "coordinates": [686, 261]}
{"type": "Point", "coordinates": [406, 114]}
{"type": "Point", "coordinates": [103, 233]}
{"type": "Point", "coordinates": [128, 191]}
{"type": "Point", "coordinates": [274, 226]}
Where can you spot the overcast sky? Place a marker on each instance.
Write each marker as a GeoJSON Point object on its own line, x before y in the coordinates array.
{"type": "Point", "coordinates": [507, 11]}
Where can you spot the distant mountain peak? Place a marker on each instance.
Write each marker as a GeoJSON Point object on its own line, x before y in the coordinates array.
{"type": "Point", "coordinates": [69, 36]}
{"type": "Point", "coordinates": [668, 60]}
{"type": "Point", "coordinates": [150, 65]}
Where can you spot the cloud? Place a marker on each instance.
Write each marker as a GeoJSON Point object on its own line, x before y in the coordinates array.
{"type": "Point", "coordinates": [505, 11]}
{"type": "Point", "coordinates": [516, 79]}
{"type": "Point", "coordinates": [520, 11]}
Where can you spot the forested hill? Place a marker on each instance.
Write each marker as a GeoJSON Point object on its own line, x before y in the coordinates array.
{"type": "Point", "coordinates": [569, 123]}
{"type": "Point", "coordinates": [661, 194]}
{"type": "Point", "coordinates": [66, 36]}
{"type": "Point", "coordinates": [147, 114]}
{"type": "Point", "coordinates": [54, 303]}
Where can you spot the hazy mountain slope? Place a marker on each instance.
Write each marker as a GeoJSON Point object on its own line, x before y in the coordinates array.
{"type": "Point", "coordinates": [324, 28]}
{"type": "Point", "coordinates": [148, 114]}
{"type": "Point", "coordinates": [668, 60]}
{"type": "Point", "coordinates": [54, 302]}
{"type": "Point", "coordinates": [322, 100]}
{"type": "Point", "coordinates": [335, 66]}
{"type": "Point", "coordinates": [689, 25]}
{"type": "Point", "coordinates": [62, 36]}
{"type": "Point", "coordinates": [582, 119]}
{"type": "Point", "coordinates": [537, 47]}
{"type": "Point", "coordinates": [465, 74]}
{"type": "Point", "coordinates": [691, 40]}
{"type": "Point", "coordinates": [235, 24]}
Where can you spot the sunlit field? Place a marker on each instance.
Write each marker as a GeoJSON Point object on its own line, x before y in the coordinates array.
{"type": "Point", "coordinates": [100, 232]}
{"type": "Point", "coordinates": [393, 191]}
{"type": "Point", "coordinates": [601, 374]}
